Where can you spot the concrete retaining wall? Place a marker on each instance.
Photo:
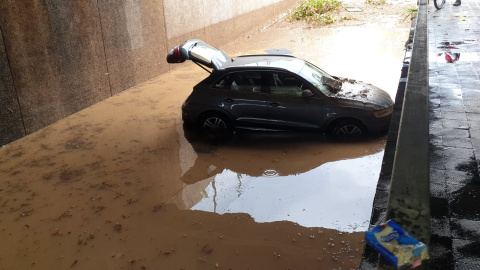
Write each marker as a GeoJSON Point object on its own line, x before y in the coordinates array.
{"type": "Point", "coordinates": [11, 123]}
{"type": "Point", "coordinates": [58, 57]}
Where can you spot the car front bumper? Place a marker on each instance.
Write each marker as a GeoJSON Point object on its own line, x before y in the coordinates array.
{"type": "Point", "coordinates": [380, 125]}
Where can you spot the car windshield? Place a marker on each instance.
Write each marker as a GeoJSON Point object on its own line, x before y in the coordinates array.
{"type": "Point", "coordinates": [314, 75]}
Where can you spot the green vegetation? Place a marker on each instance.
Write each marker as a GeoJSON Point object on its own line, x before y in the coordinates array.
{"type": "Point", "coordinates": [375, 2]}
{"type": "Point", "coordinates": [410, 13]}
{"type": "Point", "coordinates": [316, 11]}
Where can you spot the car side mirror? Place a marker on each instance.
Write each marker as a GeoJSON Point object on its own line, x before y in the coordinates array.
{"type": "Point", "coordinates": [307, 93]}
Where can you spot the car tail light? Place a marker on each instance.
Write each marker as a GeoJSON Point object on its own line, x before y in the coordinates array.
{"type": "Point", "coordinates": [177, 58]}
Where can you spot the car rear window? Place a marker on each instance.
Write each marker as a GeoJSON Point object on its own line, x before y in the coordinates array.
{"type": "Point", "coordinates": [245, 82]}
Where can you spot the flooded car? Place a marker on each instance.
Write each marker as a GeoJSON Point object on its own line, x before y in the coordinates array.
{"type": "Point", "coordinates": [277, 92]}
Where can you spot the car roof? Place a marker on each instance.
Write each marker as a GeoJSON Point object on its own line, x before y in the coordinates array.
{"type": "Point", "coordinates": [286, 62]}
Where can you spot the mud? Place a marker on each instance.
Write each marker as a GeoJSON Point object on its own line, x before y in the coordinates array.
{"type": "Point", "coordinates": [123, 185]}
{"type": "Point", "coordinates": [109, 187]}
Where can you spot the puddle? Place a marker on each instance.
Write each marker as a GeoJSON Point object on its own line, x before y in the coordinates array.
{"type": "Point", "coordinates": [110, 187]}
{"type": "Point", "coordinates": [258, 154]}
{"type": "Point", "coordinates": [301, 181]}
{"type": "Point", "coordinates": [452, 58]}
{"type": "Point", "coordinates": [452, 50]}
{"type": "Point", "coordinates": [117, 185]}
{"type": "Point", "coordinates": [456, 44]}
{"type": "Point", "coordinates": [328, 196]}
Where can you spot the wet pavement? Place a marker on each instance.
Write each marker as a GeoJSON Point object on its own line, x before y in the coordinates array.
{"type": "Point", "coordinates": [454, 69]}
{"type": "Point", "coordinates": [123, 185]}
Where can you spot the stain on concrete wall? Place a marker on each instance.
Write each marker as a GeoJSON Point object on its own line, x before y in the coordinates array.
{"type": "Point", "coordinates": [135, 41]}
{"type": "Point", "coordinates": [134, 17]}
{"type": "Point", "coordinates": [11, 124]}
{"type": "Point", "coordinates": [219, 21]}
{"type": "Point", "coordinates": [189, 16]}
{"type": "Point", "coordinates": [183, 17]}
{"type": "Point", "coordinates": [56, 57]}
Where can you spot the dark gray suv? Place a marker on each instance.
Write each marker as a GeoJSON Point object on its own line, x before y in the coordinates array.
{"type": "Point", "coordinates": [277, 92]}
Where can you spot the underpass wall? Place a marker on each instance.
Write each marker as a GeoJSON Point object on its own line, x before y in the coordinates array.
{"type": "Point", "coordinates": [58, 57]}
{"type": "Point", "coordinates": [219, 21]}
{"type": "Point", "coordinates": [11, 123]}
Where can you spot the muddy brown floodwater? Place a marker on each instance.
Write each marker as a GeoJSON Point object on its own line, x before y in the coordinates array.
{"type": "Point", "coordinates": [122, 185]}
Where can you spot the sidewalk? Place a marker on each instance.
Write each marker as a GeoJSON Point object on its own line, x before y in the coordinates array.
{"type": "Point", "coordinates": [454, 69]}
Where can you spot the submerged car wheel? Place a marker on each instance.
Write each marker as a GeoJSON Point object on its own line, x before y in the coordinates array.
{"type": "Point", "coordinates": [216, 126]}
{"type": "Point", "coordinates": [347, 129]}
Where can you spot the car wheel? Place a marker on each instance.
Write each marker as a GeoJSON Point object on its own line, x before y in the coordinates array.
{"type": "Point", "coordinates": [347, 129]}
{"type": "Point", "coordinates": [216, 126]}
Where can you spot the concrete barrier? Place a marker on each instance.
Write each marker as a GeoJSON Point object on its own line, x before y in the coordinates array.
{"type": "Point", "coordinates": [58, 57]}
{"type": "Point", "coordinates": [403, 190]}
{"type": "Point", "coordinates": [409, 201]}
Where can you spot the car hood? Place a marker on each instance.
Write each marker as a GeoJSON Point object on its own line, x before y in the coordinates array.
{"type": "Point", "coordinates": [356, 92]}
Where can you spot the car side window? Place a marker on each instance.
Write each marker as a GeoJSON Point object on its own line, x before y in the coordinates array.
{"type": "Point", "coordinates": [241, 81]}
{"type": "Point", "coordinates": [221, 83]}
{"type": "Point", "coordinates": [285, 84]}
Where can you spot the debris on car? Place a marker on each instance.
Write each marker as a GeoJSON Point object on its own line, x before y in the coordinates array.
{"type": "Point", "coordinates": [332, 82]}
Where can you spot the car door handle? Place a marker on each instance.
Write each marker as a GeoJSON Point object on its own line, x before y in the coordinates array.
{"type": "Point", "coordinates": [274, 104]}
{"type": "Point", "coordinates": [229, 100]}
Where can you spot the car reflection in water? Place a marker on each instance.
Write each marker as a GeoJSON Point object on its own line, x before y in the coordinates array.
{"type": "Point", "coordinates": [312, 182]}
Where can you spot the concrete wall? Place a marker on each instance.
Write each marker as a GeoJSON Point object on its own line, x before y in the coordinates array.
{"type": "Point", "coordinates": [58, 57]}
{"type": "Point", "coordinates": [218, 21]}
{"type": "Point", "coordinates": [11, 123]}
{"type": "Point", "coordinates": [134, 36]}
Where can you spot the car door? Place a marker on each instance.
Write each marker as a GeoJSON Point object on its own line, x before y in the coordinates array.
{"type": "Point", "coordinates": [244, 100]}
{"type": "Point", "coordinates": [287, 106]}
